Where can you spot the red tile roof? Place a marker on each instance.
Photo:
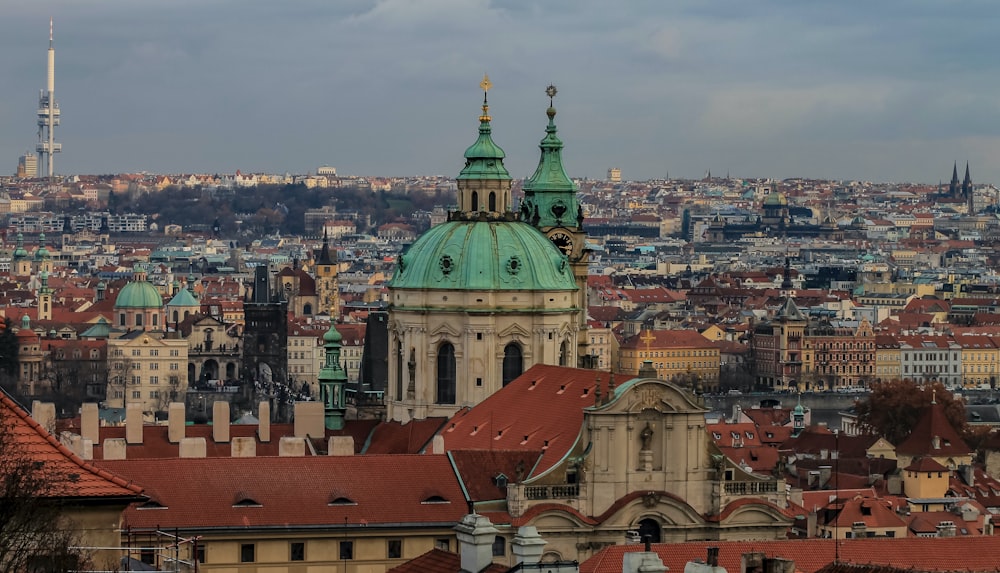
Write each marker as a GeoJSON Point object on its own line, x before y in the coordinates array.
{"type": "Point", "coordinates": [440, 561]}
{"type": "Point", "coordinates": [396, 489]}
{"type": "Point", "coordinates": [934, 424]}
{"type": "Point", "coordinates": [76, 478]}
{"type": "Point", "coordinates": [539, 411]}
{"type": "Point", "coordinates": [478, 470]}
{"type": "Point", "coordinates": [810, 555]}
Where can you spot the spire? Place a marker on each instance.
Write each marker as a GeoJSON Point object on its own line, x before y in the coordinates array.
{"type": "Point", "coordinates": [967, 182]}
{"type": "Point", "coordinates": [550, 189]}
{"type": "Point", "coordinates": [333, 381]}
{"type": "Point", "coordinates": [20, 252]}
{"type": "Point", "coordinates": [953, 186]}
{"type": "Point", "coordinates": [324, 254]}
{"type": "Point", "coordinates": [484, 158]}
{"type": "Point", "coordinates": [51, 35]}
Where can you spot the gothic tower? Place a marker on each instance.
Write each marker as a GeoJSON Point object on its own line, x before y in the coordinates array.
{"type": "Point", "coordinates": [327, 287]}
{"type": "Point", "coordinates": [265, 336]}
{"type": "Point", "coordinates": [968, 193]}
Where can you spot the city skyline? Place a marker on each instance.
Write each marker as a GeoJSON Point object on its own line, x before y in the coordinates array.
{"type": "Point", "coordinates": [887, 92]}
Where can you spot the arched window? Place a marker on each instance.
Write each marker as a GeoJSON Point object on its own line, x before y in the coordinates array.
{"type": "Point", "coordinates": [446, 374]}
{"type": "Point", "coordinates": [513, 362]}
{"type": "Point", "coordinates": [307, 309]}
{"type": "Point", "coordinates": [493, 201]}
{"type": "Point", "coordinates": [399, 370]}
{"type": "Point", "coordinates": [475, 201]}
{"type": "Point", "coordinates": [175, 316]}
{"type": "Point", "coordinates": [651, 528]}
{"type": "Point", "coordinates": [156, 320]}
{"type": "Point", "coordinates": [564, 353]}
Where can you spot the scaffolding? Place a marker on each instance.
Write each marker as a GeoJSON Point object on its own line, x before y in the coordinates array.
{"type": "Point", "coordinates": [152, 549]}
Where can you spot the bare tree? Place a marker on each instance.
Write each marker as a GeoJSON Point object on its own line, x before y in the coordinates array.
{"type": "Point", "coordinates": [35, 534]}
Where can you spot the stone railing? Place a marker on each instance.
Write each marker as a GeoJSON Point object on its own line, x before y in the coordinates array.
{"type": "Point", "coordinates": [751, 487]}
{"type": "Point", "coordinates": [552, 491]}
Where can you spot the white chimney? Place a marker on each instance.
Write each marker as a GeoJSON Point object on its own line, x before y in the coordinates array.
{"type": "Point", "coordinates": [475, 535]}
{"type": "Point", "coordinates": [527, 546]}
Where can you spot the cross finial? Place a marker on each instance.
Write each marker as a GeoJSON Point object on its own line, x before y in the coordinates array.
{"type": "Point", "coordinates": [551, 91]}
{"type": "Point", "coordinates": [486, 84]}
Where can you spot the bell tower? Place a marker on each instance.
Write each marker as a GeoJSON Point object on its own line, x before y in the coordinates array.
{"type": "Point", "coordinates": [484, 183]}
{"type": "Point", "coordinates": [551, 205]}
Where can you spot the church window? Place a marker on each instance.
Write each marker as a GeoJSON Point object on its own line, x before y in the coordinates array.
{"type": "Point", "coordinates": [307, 309]}
{"type": "Point", "coordinates": [493, 201]}
{"type": "Point", "coordinates": [446, 374]}
{"type": "Point", "coordinates": [399, 370]}
{"type": "Point", "coordinates": [563, 353]}
{"type": "Point", "coordinates": [513, 362]}
{"type": "Point", "coordinates": [156, 321]}
{"type": "Point", "coordinates": [138, 320]}
{"type": "Point", "coordinates": [475, 201]}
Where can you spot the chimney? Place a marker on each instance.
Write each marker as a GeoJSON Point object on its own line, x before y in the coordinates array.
{"type": "Point", "coordinates": [437, 444]}
{"type": "Point", "coordinates": [264, 425]}
{"type": "Point", "coordinates": [475, 536]}
{"type": "Point", "coordinates": [193, 447]}
{"type": "Point", "coordinates": [243, 447]}
{"type": "Point", "coordinates": [946, 529]}
{"type": "Point", "coordinates": [175, 422]}
{"type": "Point", "coordinates": [825, 472]}
{"type": "Point", "coordinates": [220, 421]}
{"type": "Point", "coordinates": [133, 423]}
{"type": "Point", "coordinates": [527, 546]}
{"type": "Point", "coordinates": [859, 530]}
{"type": "Point", "coordinates": [90, 422]}
{"type": "Point", "coordinates": [45, 414]}
{"type": "Point", "coordinates": [643, 561]}
{"type": "Point", "coordinates": [290, 446]}
{"type": "Point", "coordinates": [309, 420]}
{"type": "Point", "coordinates": [115, 448]}
{"type": "Point", "coordinates": [712, 559]}
{"type": "Point", "coordinates": [340, 446]}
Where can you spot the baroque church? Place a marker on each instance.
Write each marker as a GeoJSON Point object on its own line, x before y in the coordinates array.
{"type": "Point", "coordinates": [476, 301]}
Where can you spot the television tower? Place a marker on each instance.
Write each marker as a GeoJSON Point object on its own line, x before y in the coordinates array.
{"type": "Point", "coordinates": [48, 114]}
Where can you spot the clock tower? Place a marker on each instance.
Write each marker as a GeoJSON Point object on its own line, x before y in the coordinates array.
{"type": "Point", "coordinates": [551, 205]}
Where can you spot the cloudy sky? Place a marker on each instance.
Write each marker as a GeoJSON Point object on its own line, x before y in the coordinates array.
{"type": "Point", "coordinates": [893, 90]}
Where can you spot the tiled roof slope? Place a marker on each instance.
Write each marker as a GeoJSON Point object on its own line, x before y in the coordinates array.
{"type": "Point", "coordinates": [440, 561]}
{"type": "Point", "coordinates": [304, 491]}
{"type": "Point", "coordinates": [810, 555]}
{"type": "Point", "coordinates": [934, 423]}
{"type": "Point", "coordinates": [75, 478]}
{"type": "Point", "coordinates": [539, 411]}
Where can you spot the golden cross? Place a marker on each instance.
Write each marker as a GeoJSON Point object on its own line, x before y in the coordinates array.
{"type": "Point", "coordinates": [648, 338]}
{"type": "Point", "coordinates": [486, 84]}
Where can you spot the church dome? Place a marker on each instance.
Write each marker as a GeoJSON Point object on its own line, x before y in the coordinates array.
{"type": "Point", "coordinates": [20, 252]}
{"type": "Point", "coordinates": [139, 294]}
{"type": "Point", "coordinates": [776, 199]}
{"type": "Point", "coordinates": [483, 255]}
{"type": "Point", "coordinates": [41, 253]}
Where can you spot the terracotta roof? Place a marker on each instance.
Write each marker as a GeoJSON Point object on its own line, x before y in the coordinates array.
{"type": "Point", "coordinates": [478, 470]}
{"type": "Point", "coordinates": [925, 464]}
{"type": "Point", "coordinates": [76, 478]}
{"type": "Point", "coordinates": [539, 411]}
{"type": "Point", "coordinates": [440, 561]}
{"type": "Point", "coordinates": [934, 424]}
{"type": "Point", "coordinates": [669, 339]}
{"type": "Point", "coordinates": [411, 438]}
{"type": "Point", "coordinates": [810, 555]}
{"type": "Point", "coordinates": [278, 491]}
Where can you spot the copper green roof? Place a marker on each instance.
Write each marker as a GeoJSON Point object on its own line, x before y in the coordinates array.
{"type": "Point", "coordinates": [483, 255]}
{"type": "Point", "coordinates": [139, 294]}
{"type": "Point", "coordinates": [484, 158]}
{"type": "Point", "coordinates": [20, 252]}
{"type": "Point", "coordinates": [41, 253]}
{"type": "Point", "coordinates": [550, 195]}
{"type": "Point", "coordinates": [183, 298]}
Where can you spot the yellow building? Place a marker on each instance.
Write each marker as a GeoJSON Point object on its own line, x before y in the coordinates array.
{"type": "Point", "coordinates": [146, 369]}
{"type": "Point", "coordinates": [682, 355]}
{"type": "Point", "coordinates": [925, 483]}
{"type": "Point", "coordinates": [888, 360]}
{"type": "Point", "coordinates": [980, 357]}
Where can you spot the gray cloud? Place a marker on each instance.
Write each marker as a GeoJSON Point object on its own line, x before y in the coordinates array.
{"type": "Point", "coordinates": [891, 90]}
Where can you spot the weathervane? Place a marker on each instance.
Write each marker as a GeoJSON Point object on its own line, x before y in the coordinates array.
{"type": "Point", "coordinates": [551, 92]}
{"type": "Point", "coordinates": [486, 84]}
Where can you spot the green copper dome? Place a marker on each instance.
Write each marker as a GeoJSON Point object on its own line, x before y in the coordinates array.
{"type": "Point", "coordinates": [776, 199]}
{"type": "Point", "coordinates": [183, 298]}
{"type": "Point", "coordinates": [483, 255]}
{"type": "Point", "coordinates": [550, 195]}
{"type": "Point", "coordinates": [139, 294]}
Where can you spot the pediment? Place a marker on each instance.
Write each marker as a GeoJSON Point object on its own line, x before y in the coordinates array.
{"type": "Point", "coordinates": [445, 330]}
{"type": "Point", "coordinates": [514, 331]}
{"type": "Point", "coordinates": [651, 394]}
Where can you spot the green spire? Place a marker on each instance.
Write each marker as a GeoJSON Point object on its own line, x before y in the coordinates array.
{"type": "Point", "coordinates": [484, 158]}
{"type": "Point", "coordinates": [45, 284]}
{"type": "Point", "coordinates": [41, 253]}
{"type": "Point", "coordinates": [333, 381]}
{"type": "Point", "coordinates": [550, 195]}
{"type": "Point", "coordinates": [20, 252]}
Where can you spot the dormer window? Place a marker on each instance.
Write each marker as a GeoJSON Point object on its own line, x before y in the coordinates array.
{"type": "Point", "coordinates": [501, 481]}
{"type": "Point", "coordinates": [247, 502]}
{"type": "Point", "coordinates": [341, 500]}
{"type": "Point", "coordinates": [434, 499]}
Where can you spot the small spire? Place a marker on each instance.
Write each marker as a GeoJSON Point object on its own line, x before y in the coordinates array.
{"type": "Point", "coordinates": [486, 84]}
{"type": "Point", "coordinates": [50, 33]}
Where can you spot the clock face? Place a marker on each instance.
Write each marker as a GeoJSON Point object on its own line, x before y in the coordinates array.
{"type": "Point", "coordinates": [563, 242]}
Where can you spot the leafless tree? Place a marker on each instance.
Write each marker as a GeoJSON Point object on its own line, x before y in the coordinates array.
{"type": "Point", "coordinates": [35, 534]}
